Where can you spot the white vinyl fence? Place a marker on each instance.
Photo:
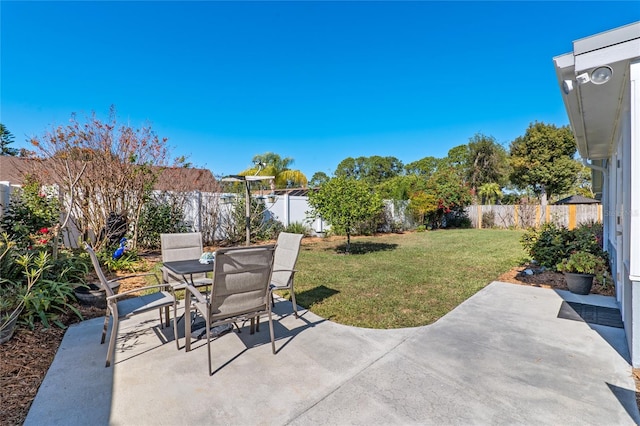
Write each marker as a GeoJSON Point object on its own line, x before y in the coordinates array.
{"type": "Point", "coordinates": [206, 213]}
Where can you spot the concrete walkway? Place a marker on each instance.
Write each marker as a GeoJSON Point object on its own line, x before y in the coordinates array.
{"type": "Point", "coordinates": [501, 357]}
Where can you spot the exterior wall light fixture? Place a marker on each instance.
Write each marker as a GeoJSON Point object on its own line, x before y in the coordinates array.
{"type": "Point", "coordinates": [601, 75]}
{"type": "Point", "coordinates": [567, 86]}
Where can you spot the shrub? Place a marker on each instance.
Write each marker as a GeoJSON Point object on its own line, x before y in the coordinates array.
{"type": "Point", "coordinates": [36, 286]}
{"type": "Point", "coordinates": [32, 211]}
{"type": "Point", "coordinates": [587, 237]}
{"type": "Point", "coordinates": [233, 222]}
{"type": "Point", "coordinates": [489, 219]}
{"type": "Point", "coordinates": [126, 262]}
{"type": "Point", "coordinates": [297, 228]}
{"type": "Point", "coordinates": [550, 244]}
{"type": "Point", "coordinates": [458, 219]}
{"type": "Point", "coordinates": [547, 245]}
{"type": "Point", "coordinates": [269, 230]}
{"type": "Point", "coordinates": [159, 217]}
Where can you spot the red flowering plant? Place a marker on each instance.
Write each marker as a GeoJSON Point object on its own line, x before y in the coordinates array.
{"type": "Point", "coordinates": [42, 237]}
{"type": "Point", "coordinates": [31, 215]}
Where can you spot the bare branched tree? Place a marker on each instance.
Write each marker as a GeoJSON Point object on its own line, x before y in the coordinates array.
{"type": "Point", "coordinates": [102, 169]}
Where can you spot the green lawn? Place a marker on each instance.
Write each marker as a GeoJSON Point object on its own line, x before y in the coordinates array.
{"type": "Point", "coordinates": [401, 280]}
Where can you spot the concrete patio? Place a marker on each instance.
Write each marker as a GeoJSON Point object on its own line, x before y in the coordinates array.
{"type": "Point", "coordinates": [501, 357]}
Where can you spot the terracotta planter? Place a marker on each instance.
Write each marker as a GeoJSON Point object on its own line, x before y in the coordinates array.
{"type": "Point", "coordinates": [579, 283]}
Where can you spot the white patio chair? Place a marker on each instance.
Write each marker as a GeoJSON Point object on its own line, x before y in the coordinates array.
{"type": "Point", "coordinates": [182, 246]}
{"type": "Point", "coordinates": [240, 291]}
{"type": "Point", "coordinates": [286, 256]}
{"type": "Point", "coordinates": [121, 305]}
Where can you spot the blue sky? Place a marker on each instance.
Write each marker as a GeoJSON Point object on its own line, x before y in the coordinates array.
{"type": "Point", "coordinates": [315, 81]}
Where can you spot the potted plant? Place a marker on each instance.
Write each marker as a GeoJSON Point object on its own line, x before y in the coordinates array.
{"type": "Point", "coordinates": [579, 270]}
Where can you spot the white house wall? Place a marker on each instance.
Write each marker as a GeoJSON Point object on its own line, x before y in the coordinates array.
{"type": "Point", "coordinates": [621, 202]}
{"type": "Point", "coordinates": [634, 170]}
{"type": "Point", "coordinates": [631, 278]}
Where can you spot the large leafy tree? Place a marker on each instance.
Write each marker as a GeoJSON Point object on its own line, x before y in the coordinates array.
{"type": "Point", "coordinates": [274, 165]}
{"type": "Point", "coordinates": [542, 159]}
{"type": "Point", "coordinates": [373, 170]}
{"type": "Point", "coordinates": [6, 138]}
{"type": "Point", "coordinates": [487, 162]}
{"type": "Point", "coordinates": [423, 167]}
{"type": "Point", "coordinates": [451, 193]}
{"type": "Point", "coordinates": [401, 187]}
{"type": "Point", "coordinates": [456, 161]}
{"type": "Point", "coordinates": [345, 203]}
{"type": "Point", "coordinates": [318, 179]}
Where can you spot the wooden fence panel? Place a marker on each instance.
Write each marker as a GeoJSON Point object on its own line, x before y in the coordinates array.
{"type": "Point", "coordinates": [530, 215]}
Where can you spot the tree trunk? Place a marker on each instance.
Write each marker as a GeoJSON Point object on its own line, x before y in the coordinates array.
{"type": "Point", "coordinates": [543, 204]}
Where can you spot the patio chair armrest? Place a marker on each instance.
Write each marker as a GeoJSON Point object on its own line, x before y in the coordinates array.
{"type": "Point", "coordinates": [194, 291]}
{"type": "Point", "coordinates": [285, 270]}
{"type": "Point", "coordinates": [144, 274]}
{"type": "Point", "coordinates": [135, 290]}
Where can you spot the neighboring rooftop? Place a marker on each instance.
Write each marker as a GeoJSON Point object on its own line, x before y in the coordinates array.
{"type": "Point", "coordinates": [577, 199]}
{"type": "Point", "coordinates": [14, 170]}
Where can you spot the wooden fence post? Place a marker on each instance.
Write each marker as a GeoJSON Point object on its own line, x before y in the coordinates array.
{"type": "Point", "coordinates": [572, 216]}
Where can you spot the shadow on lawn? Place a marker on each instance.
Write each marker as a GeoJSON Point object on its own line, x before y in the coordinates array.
{"type": "Point", "coordinates": [315, 295]}
{"type": "Point", "coordinates": [364, 247]}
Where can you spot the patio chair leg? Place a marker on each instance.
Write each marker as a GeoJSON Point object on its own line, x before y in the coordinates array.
{"type": "Point", "coordinates": [105, 326]}
{"type": "Point", "coordinates": [175, 323]}
{"type": "Point", "coordinates": [112, 342]}
{"type": "Point", "coordinates": [273, 343]}
{"type": "Point", "coordinates": [208, 325]}
{"type": "Point", "coordinates": [293, 301]}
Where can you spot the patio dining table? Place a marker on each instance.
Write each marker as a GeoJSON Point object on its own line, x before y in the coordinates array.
{"type": "Point", "coordinates": [186, 269]}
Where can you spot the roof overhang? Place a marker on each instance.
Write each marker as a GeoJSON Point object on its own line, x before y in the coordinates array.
{"type": "Point", "coordinates": [594, 109]}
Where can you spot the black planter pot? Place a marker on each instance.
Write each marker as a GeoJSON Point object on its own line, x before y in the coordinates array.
{"type": "Point", "coordinates": [7, 332]}
{"type": "Point", "coordinates": [579, 283]}
{"type": "Point", "coordinates": [94, 295]}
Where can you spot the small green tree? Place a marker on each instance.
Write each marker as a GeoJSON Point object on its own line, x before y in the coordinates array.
{"type": "Point", "coordinates": [345, 203]}
{"type": "Point", "coordinates": [6, 138]}
{"type": "Point", "coordinates": [423, 205]}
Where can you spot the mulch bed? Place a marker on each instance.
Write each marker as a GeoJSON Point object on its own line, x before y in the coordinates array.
{"type": "Point", "coordinates": [28, 355]}
{"type": "Point", "coordinates": [548, 279]}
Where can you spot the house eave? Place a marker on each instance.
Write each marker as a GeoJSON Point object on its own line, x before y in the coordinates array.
{"type": "Point", "coordinates": [594, 109]}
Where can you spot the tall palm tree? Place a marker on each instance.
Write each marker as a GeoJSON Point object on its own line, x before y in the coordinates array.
{"type": "Point", "coordinates": [490, 192]}
{"type": "Point", "coordinates": [274, 165]}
